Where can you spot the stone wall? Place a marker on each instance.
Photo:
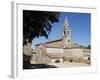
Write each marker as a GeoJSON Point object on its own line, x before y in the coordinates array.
{"type": "Point", "coordinates": [76, 53]}
{"type": "Point", "coordinates": [40, 57]}
{"type": "Point", "coordinates": [71, 55]}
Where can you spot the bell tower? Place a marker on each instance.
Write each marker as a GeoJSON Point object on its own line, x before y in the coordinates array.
{"type": "Point", "coordinates": [66, 33]}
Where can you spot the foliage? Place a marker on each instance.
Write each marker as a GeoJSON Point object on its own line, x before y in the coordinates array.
{"type": "Point", "coordinates": [37, 23]}
{"type": "Point", "coordinates": [88, 47]}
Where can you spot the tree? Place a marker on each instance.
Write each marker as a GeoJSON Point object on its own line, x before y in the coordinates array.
{"type": "Point", "coordinates": [88, 47]}
{"type": "Point", "coordinates": [36, 24]}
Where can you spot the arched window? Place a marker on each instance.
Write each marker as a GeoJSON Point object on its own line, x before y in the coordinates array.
{"type": "Point", "coordinates": [68, 40]}
{"type": "Point", "coordinates": [68, 32]}
{"type": "Point", "coordinates": [64, 32]}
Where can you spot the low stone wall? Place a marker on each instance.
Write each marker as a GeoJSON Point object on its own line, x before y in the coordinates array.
{"type": "Point", "coordinates": [71, 59]}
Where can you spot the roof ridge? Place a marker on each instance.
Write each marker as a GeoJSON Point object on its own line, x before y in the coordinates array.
{"type": "Point", "coordinates": [54, 40]}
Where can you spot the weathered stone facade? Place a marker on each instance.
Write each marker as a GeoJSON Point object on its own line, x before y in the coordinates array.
{"type": "Point", "coordinates": [61, 50]}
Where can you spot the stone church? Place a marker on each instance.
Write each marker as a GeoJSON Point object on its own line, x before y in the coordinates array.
{"type": "Point", "coordinates": [60, 50]}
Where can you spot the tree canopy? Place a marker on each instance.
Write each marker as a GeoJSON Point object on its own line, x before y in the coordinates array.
{"type": "Point", "coordinates": [37, 23]}
{"type": "Point", "coordinates": [88, 47]}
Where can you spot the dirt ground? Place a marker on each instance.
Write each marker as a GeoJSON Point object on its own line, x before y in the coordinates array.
{"type": "Point", "coordinates": [68, 64]}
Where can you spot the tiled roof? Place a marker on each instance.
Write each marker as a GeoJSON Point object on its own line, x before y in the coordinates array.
{"type": "Point", "coordinates": [54, 41]}
{"type": "Point", "coordinates": [49, 44]}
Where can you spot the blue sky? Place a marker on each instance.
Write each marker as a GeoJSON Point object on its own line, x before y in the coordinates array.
{"type": "Point", "coordinates": [80, 24]}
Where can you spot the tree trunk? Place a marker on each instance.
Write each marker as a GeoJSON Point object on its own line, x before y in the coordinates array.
{"type": "Point", "coordinates": [27, 54]}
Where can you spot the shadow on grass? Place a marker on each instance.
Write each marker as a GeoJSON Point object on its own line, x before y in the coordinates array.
{"type": "Point", "coordinates": [38, 66]}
